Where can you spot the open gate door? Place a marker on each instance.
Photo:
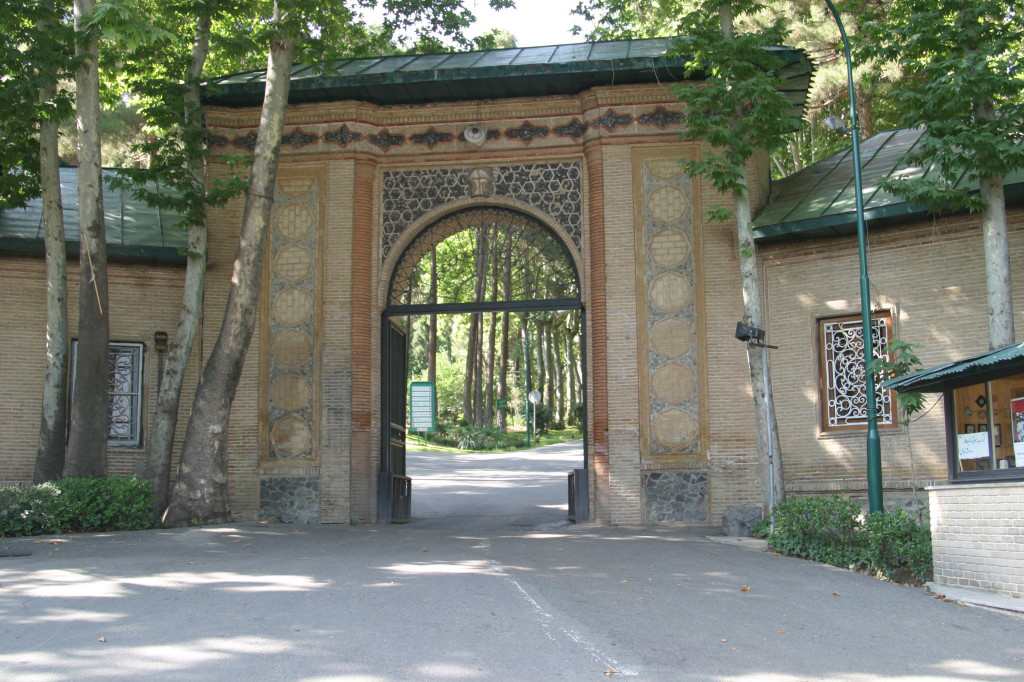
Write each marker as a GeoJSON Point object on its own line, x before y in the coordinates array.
{"type": "Point", "coordinates": [394, 488]}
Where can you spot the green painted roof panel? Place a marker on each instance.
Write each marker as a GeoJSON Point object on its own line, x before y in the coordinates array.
{"type": "Point", "coordinates": [492, 74]}
{"type": "Point", "coordinates": [934, 379]}
{"type": "Point", "coordinates": [131, 225]}
{"type": "Point", "coordinates": [821, 199]}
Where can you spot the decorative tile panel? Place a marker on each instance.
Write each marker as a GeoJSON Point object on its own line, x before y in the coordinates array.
{"type": "Point", "coordinates": [292, 321]}
{"type": "Point", "coordinates": [554, 188]}
{"type": "Point", "coordinates": [669, 273]}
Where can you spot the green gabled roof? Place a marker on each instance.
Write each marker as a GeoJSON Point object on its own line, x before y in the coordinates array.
{"type": "Point", "coordinates": [820, 200]}
{"type": "Point", "coordinates": [934, 379]}
{"type": "Point", "coordinates": [491, 74]}
{"type": "Point", "coordinates": [135, 231]}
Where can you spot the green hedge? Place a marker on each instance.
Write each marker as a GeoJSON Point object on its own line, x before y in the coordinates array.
{"type": "Point", "coordinates": [76, 505]}
{"type": "Point", "coordinates": [833, 530]}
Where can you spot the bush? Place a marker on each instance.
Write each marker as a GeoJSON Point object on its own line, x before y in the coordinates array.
{"type": "Point", "coordinates": [76, 505]}
{"type": "Point", "coordinates": [899, 548]}
{"type": "Point", "coordinates": [832, 530]}
{"type": "Point", "coordinates": [819, 528]}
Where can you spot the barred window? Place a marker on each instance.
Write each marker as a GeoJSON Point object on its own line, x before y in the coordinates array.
{"type": "Point", "coordinates": [844, 392]}
{"type": "Point", "coordinates": [124, 400]}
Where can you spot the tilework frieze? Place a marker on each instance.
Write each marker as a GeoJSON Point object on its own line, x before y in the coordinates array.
{"type": "Point", "coordinates": [552, 130]}
{"type": "Point", "coordinates": [554, 188]}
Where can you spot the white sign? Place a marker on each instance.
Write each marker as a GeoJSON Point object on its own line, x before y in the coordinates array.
{"type": "Point", "coordinates": [534, 397]}
{"type": "Point", "coordinates": [972, 445]}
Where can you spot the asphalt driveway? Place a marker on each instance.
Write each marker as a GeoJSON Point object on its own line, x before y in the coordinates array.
{"type": "Point", "coordinates": [451, 597]}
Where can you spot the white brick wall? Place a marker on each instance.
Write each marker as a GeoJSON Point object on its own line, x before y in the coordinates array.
{"type": "Point", "coordinates": [978, 536]}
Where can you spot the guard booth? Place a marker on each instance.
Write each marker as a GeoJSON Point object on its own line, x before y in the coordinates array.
{"type": "Point", "coordinates": [983, 397]}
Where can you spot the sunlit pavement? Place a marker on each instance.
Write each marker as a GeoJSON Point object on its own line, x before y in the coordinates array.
{"type": "Point", "coordinates": [454, 597]}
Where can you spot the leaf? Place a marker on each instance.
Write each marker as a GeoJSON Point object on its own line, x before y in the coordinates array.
{"type": "Point", "coordinates": [835, 594]}
{"type": "Point", "coordinates": [609, 672]}
{"type": "Point", "coordinates": [102, 639]}
{"type": "Point", "coordinates": [745, 588]}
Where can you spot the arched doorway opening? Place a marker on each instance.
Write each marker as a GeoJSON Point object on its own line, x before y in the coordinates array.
{"type": "Point", "coordinates": [488, 263]}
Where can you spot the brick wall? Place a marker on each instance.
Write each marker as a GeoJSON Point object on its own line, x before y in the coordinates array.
{"type": "Point", "coordinates": [978, 536]}
{"type": "Point", "coordinates": [931, 276]}
{"type": "Point", "coordinates": [133, 288]}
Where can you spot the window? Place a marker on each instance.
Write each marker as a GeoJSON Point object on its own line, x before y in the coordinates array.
{"type": "Point", "coordinates": [988, 419]}
{"type": "Point", "coordinates": [844, 392]}
{"type": "Point", "coordinates": [124, 414]}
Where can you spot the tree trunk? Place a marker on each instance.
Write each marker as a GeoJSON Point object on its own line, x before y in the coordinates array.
{"type": "Point", "coordinates": [87, 442]}
{"type": "Point", "coordinates": [491, 333]}
{"type": "Point", "coordinates": [997, 252]}
{"type": "Point", "coordinates": [165, 419]}
{"type": "Point", "coordinates": [769, 454]}
{"type": "Point", "coordinates": [54, 417]}
{"type": "Point", "coordinates": [571, 367]}
{"type": "Point", "coordinates": [432, 334]}
{"type": "Point", "coordinates": [200, 493]}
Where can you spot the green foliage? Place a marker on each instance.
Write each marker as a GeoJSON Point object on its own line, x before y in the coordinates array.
{"type": "Point", "coordinates": [738, 107]}
{"type": "Point", "coordinates": [898, 547]}
{"type": "Point", "coordinates": [36, 53]}
{"type": "Point", "coordinates": [76, 505]}
{"type": "Point", "coordinates": [962, 77]}
{"type": "Point", "coordinates": [898, 359]}
{"type": "Point", "coordinates": [819, 528]}
{"type": "Point", "coordinates": [762, 527]}
{"type": "Point", "coordinates": [833, 530]}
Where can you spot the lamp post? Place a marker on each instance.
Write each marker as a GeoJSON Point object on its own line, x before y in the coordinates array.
{"type": "Point", "coordinates": [874, 449]}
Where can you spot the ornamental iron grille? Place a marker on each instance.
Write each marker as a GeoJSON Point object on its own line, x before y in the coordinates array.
{"type": "Point", "coordinates": [486, 258]}
{"type": "Point", "coordinates": [124, 398]}
{"type": "Point", "coordinates": [845, 389]}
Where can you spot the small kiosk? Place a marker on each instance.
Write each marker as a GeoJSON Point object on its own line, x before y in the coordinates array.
{"type": "Point", "coordinates": [977, 519]}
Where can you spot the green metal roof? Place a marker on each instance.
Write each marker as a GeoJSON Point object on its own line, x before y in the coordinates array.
{"type": "Point", "coordinates": [491, 74]}
{"type": "Point", "coordinates": [933, 380]}
{"type": "Point", "coordinates": [820, 200]}
{"type": "Point", "coordinates": [134, 230]}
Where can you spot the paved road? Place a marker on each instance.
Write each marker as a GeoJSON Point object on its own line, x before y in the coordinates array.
{"type": "Point", "coordinates": [492, 490]}
{"type": "Point", "coordinates": [453, 598]}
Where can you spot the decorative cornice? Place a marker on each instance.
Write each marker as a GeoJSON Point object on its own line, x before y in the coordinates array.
{"type": "Point", "coordinates": [660, 117]}
{"type": "Point", "coordinates": [611, 120]}
{"type": "Point", "coordinates": [343, 136]}
{"type": "Point", "coordinates": [432, 138]}
{"type": "Point", "coordinates": [247, 141]}
{"type": "Point", "coordinates": [527, 132]}
{"type": "Point", "coordinates": [297, 139]}
{"type": "Point", "coordinates": [575, 130]}
{"type": "Point", "coordinates": [386, 140]}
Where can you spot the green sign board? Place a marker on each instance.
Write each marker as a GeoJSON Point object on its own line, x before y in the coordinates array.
{"type": "Point", "coordinates": [422, 402]}
{"type": "Point", "coordinates": [501, 403]}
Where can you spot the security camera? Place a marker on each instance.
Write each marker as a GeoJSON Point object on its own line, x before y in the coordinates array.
{"type": "Point", "coordinates": [475, 135]}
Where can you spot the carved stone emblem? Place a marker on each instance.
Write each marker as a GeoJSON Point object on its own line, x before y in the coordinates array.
{"type": "Point", "coordinates": [481, 182]}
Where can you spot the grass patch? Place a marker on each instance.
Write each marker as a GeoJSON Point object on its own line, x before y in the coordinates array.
{"type": "Point", "coordinates": [468, 439]}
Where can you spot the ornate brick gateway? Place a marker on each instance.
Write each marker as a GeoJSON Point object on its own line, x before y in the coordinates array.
{"type": "Point", "coordinates": [367, 166]}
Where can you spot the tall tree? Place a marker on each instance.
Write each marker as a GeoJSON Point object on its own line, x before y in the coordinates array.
{"type": "Point", "coordinates": [53, 417]}
{"type": "Point", "coordinates": [320, 32]}
{"type": "Point", "coordinates": [963, 74]}
{"type": "Point", "coordinates": [738, 110]}
{"type": "Point", "coordinates": [87, 441]}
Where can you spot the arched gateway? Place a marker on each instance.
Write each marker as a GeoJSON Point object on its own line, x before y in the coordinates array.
{"type": "Point", "coordinates": [564, 156]}
{"type": "Point", "coordinates": [520, 264]}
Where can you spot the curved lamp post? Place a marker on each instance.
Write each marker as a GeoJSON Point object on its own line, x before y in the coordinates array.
{"type": "Point", "coordinates": [874, 450]}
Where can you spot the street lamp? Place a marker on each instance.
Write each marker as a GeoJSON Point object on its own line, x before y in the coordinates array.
{"type": "Point", "coordinates": [874, 449]}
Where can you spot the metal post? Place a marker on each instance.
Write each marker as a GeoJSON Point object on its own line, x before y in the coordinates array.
{"type": "Point", "coordinates": [874, 449]}
{"type": "Point", "coordinates": [529, 384]}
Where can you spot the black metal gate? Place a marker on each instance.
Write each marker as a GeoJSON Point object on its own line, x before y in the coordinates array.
{"type": "Point", "coordinates": [394, 488]}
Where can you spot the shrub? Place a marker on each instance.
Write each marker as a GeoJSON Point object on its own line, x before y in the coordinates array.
{"type": "Point", "coordinates": [898, 547]}
{"type": "Point", "coordinates": [76, 505]}
{"type": "Point", "coordinates": [832, 530]}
